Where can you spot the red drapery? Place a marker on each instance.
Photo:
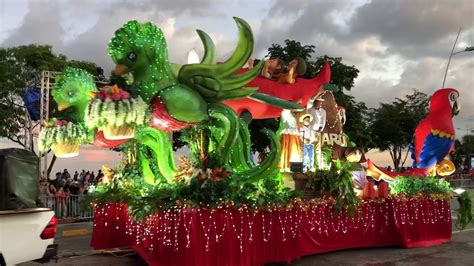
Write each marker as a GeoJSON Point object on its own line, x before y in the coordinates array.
{"type": "Point", "coordinates": [227, 236]}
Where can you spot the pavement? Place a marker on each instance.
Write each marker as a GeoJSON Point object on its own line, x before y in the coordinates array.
{"type": "Point", "coordinates": [459, 251]}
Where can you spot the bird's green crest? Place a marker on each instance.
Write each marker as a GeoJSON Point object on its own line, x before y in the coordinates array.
{"type": "Point", "coordinates": [135, 36]}
{"type": "Point", "coordinates": [73, 87]}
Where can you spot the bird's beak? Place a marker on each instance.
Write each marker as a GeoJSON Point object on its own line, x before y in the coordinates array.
{"type": "Point", "coordinates": [120, 70]}
{"type": "Point", "coordinates": [62, 106]}
{"type": "Point", "coordinates": [91, 94]}
{"type": "Point", "coordinates": [455, 109]}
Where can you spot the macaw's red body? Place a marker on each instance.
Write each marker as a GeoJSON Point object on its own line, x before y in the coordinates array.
{"type": "Point", "coordinates": [434, 135]}
{"type": "Point", "coordinates": [302, 90]}
{"type": "Point", "coordinates": [433, 139]}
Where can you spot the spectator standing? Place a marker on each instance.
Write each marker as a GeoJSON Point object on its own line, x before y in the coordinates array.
{"type": "Point", "coordinates": [99, 177]}
{"type": "Point", "coordinates": [57, 180]}
{"type": "Point", "coordinates": [92, 178]}
{"type": "Point", "coordinates": [65, 175]}
{"type": "Point", "coordinates": [61, 202]}
{"type": "Point", "coordinates": [74, 188]}
{"type": "Point", "coordinates": [76, 175]}
{"type": "Point", "coordinates": [85, 188]}
{"type": "Point", "coordinates": [81, 176]}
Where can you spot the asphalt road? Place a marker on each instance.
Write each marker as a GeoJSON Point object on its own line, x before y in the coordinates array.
{"type": "Point", "coordinates": [460, 251]}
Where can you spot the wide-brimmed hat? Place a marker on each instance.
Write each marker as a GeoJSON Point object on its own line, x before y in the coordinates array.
{"type": "Point", "coordinates": [304, 116]}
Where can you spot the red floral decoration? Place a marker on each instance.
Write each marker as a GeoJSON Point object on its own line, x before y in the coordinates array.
{"type": "Point", "coordinates": [112, 92]}
{"type": "Point", "coordinates": [101, 142]}
{"type": "Point", "coordinates": [218, 173]}
{"type": "Point", "coordinates": [55, 123]}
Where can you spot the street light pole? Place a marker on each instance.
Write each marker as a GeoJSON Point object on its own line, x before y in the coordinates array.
{"type": "Point", "coordinates": [467, 49]}
{"type": "Point", "coordinates": [450, 55]}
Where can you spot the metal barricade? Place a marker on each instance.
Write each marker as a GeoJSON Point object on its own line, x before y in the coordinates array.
{"type": "Point", "coordinates": [73, 206]}
{"type": "Point", "coordinates": [462, 183]}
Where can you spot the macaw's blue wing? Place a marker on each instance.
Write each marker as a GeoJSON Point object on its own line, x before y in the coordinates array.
{"type": "Point", "coordinates": [435, 147]}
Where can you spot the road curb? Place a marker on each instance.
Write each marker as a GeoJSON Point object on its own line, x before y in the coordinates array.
{"type": "Point", "coordinates": [97, 252]}
{"type": "Point", "coordinates": [75, 232]}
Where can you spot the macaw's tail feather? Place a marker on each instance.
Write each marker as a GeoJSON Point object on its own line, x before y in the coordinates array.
{"type": "Point", "coordinates": [379, 173]}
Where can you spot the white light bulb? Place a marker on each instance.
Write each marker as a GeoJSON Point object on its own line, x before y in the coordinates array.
{"type": "Point", "coordinates": [193, 57]}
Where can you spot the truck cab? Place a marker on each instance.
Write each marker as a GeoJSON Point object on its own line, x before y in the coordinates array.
{"type": "Point", "coordinates": [27, 230]}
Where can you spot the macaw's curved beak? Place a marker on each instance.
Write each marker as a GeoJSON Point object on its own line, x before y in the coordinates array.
{"type": "Point", "coordinates": [63, 105]}
{"type": "Point", "coordinates": [120, 70]}
{"type": "Point", "coordinates": [455, 109]}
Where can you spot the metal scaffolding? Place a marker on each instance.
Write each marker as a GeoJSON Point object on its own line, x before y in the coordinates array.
{"type": "Point", "coordinates": [47, 83]}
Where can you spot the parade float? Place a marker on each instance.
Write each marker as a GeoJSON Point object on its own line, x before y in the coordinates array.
{"type": "Point", "coordinates": [218, 206]}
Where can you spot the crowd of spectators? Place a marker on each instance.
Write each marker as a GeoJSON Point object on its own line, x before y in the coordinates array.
{"type": "Point", "coordinates": [62, 190]}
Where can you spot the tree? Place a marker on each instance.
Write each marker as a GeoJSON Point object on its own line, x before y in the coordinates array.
{"type": "Point", "coordinates": [342, 76]}
{"type": "Point", "coordinates": [18, 66]}
{"type": "Point", "coordinates": [393, 124]}
{"type": "Point", "coordinates": [462, 149]}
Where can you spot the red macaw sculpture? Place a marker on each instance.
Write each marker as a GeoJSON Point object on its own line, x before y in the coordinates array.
{"type": "Point", "coordinates": [299, 92]}
{"type": "Point", "coordinates": [433, 139]}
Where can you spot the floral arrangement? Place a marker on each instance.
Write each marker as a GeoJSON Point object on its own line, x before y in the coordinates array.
{"type": "Point", "coordinates": [116, 113]}
{"type": "Point", "coordinates": [62, 136]}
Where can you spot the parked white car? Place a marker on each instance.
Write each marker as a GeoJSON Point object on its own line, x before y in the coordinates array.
{"type": "Point", "coordinates": [27, 234]}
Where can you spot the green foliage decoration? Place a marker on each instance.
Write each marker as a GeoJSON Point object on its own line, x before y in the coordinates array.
{"type": "Point", "coordinates": [414, 185]}
{"type": "Point", "coordinates": [464, 213]}
{"type": "Point", "coordinates": [336, 182]}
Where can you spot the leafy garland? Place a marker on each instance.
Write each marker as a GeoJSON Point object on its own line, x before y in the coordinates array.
{"type": "Point", "coordinates": [110, 112]}
{"type": "Point", "coordinates": [415, 186]}
{"type": "Point", "coordinates": [66, 132]}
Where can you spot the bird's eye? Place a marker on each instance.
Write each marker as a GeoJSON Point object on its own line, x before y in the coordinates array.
{"type": "Point", "coordinates": [70, 94]}
{"type": "Point", "coordinates": [452, 97]}
{"type": "Point", "coordinates": [132, 56]}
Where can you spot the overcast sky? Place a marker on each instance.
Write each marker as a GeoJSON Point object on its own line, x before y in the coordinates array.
{"type": "Point", "coordinates": [396, 45]}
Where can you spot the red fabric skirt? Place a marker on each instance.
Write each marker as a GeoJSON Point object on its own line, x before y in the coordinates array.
{"type": "Point", "coordinates": [227, 236]}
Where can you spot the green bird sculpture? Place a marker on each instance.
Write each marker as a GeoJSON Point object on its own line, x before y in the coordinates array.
{"type": "Point", "coordinates": [141, 56]}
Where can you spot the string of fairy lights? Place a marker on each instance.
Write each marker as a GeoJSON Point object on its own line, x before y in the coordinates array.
{"type": "Point", "coordinates": [172, 228]}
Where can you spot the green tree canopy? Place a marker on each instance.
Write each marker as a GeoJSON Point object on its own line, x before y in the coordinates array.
{"type": "Point", "coordinates": [19, 66]}
{"type": "Point", "coordinates": [462, 149]}
{"type": "Point", "coordinates": [393, 124]}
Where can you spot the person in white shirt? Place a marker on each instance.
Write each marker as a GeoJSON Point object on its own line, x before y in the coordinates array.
{"type": "Point", "coordinates": [314, 107]}
{"type": "Point", "coordinates": [319, 116]}
{"type": "Point", "coordinates": [308, 137]}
